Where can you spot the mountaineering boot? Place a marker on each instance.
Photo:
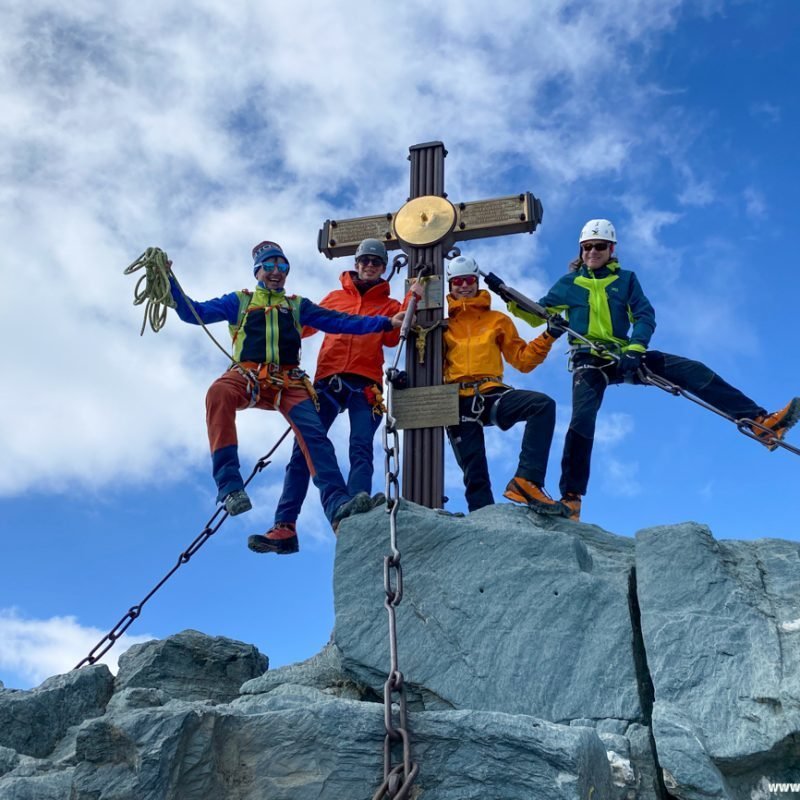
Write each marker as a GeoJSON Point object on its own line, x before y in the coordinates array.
{"type": "Point", "coordinates": [355, 505]}
{"type": "Point", "coordinates": [378, 499]}
{"type": "Point", "coordinates": [521, 490]}
{"type": "Point", "coordinates": [572, 502]}
{"type": "Point", "coordinates": [280, 539]}
{"type": "Point", "coordinates": [237, 502]}
{"type": "Point", "coordinates": [778, 422]}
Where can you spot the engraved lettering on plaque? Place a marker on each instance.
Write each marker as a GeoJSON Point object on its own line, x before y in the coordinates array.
{"type": "Point", "coordinates": [426, 406]}
{"type": "Point", "coordinates": [353, 231]}
{"type": "Point", "coordinates": [485, 213]}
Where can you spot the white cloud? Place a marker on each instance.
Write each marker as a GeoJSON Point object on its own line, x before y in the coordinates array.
{"type": "Point", "coordinates": [613, 428]}
{"type": "Point", "coordinates": [202, 130]}
{"type": "Point", "coordinates": [755, 203]}
{"type": "Point", "coordinates": [35, 649]}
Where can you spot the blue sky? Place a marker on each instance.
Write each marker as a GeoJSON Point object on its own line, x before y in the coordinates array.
{"type": "Point", "coordinates": [204, 129]}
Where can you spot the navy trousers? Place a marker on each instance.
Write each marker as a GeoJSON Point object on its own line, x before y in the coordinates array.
{"type": "Point", "coordinates": [592, 375]}
{"type": "Point", "coordinates": [336, 395]}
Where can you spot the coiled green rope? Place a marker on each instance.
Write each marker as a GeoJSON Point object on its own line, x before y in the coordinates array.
{"type": "Point", "coordinates": [152, 288]}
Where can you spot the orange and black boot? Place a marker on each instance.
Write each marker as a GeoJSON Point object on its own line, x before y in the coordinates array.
{"type": "Point", "coordinates": [777, 423]}
{"type": "Point", "coordinates": [280, 539]}
{"type": "Point", "coordinates": [572, 502]}
{"type": "Point", "coordinates": [521, 490]}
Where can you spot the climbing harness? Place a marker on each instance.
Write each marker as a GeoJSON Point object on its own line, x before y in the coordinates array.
{"type": "Point", "coordinates": [211, 527]}
{"type": "Point", "coordinates": [744, 425]}
{"type": "Point", "coordinates": [397, 779]}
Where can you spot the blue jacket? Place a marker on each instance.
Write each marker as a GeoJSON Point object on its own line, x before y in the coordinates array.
{"type": "Point", "coordinates": [265, 326]}
{"type": "Point", "coordinates": [606, 305]}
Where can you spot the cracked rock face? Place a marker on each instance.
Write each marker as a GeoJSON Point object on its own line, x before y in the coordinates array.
{"type": "Point", "coordinates": [542, 659]}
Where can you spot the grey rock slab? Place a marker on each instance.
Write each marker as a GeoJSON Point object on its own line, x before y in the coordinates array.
{"type": "Point", "coordinates": [502, 610]}
{"type": "Point", "coordinates": [719, 621]}
{"type": "Point", "coordinates": [191, 666]}
{"type": "Point", "coordinates": [54, 785]}
{"type": "Point", "coordinates": [324, 671]}
{"type": "Point", "coordinates": [298, 743]}
{"type": "Point", "coordinates": [33, 721]}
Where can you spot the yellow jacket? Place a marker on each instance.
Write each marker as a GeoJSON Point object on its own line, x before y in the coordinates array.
{"type": "Point", "coordinates": [477, 339]}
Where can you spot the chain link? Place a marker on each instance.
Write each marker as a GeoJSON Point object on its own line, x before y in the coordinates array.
{"type": "Point", "coordinates": [211, 527]}
{"type": "Point", "coordinates": [397, 778]}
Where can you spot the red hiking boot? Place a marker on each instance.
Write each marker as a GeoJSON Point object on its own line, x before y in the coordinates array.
{"type": "Point", "coordinates": [280, 539]}
{"type": "Point", "coordinates": [521, 490]}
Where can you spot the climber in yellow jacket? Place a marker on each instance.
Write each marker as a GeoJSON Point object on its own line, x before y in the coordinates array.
{"type": "Point", "coordinates": [477, 340]}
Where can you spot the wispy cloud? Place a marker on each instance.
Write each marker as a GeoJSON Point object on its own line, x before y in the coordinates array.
{"type": "Point", "coordinates": [134, 125]}
{"type": "Point", "coordinates": [34, 649]}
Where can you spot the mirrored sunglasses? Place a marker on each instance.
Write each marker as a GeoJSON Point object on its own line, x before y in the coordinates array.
{"type": "Point", "coordinates": [275, 263]}
{"type": "Point", "coordinates": [370, 261]}
{"type": "Point", "coordinates": [599, 246]}
{"type": "Point", "coordinates": [464, 280]}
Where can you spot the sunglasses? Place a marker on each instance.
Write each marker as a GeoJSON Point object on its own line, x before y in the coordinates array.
{"type": "Point", "coordinates": [370, 261]}
{"type": "Point", "coordinates": [599, 246]}
{"type": "Point", "coordinates": [464, 280]}
{"type": "Point", "coordinates": [273, 263]}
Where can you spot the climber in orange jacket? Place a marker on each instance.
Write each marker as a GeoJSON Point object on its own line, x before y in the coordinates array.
{"type": "Point", "coordinates": [477, 339]}
{"type": "Point", "coordinates": [349, 378]}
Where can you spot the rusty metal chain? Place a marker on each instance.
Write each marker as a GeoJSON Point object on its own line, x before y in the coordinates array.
{"type": "Point", "coordinates": [211, 527]}
{"type": "Point", "coordinates": [397, 778]}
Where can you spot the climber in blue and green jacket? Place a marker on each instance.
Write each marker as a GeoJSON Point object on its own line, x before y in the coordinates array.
{"type": "Point", "coordinates": [606, 304]}
{"type": "Point", "coordinates": [265, 327]}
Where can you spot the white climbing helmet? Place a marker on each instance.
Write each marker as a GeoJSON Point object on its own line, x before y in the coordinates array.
{"type": "Point", "coordinates": [598, 229]}
{"type": "Point", "coordinates": [462, 265]}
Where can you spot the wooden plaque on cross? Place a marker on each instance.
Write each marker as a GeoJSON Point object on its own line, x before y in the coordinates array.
{"type": "Point", "coordinates": [425, 229]}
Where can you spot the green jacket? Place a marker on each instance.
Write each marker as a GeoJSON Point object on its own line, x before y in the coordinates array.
{"type": "Point", "coordinates": [606, 305]}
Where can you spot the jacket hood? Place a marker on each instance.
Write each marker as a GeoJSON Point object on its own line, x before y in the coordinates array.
{"type": "Point", "coordinates": [481, 302]}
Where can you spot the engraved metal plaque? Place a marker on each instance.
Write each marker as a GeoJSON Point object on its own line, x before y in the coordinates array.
{"type": "Point", "coordinates": [519, 213]}
{"type": "Point", "coordinates": [426, 406]}
{"type": "Point", "coordinates": [341, 237]}
{"type": "Point", "coordinates": [434, 294]}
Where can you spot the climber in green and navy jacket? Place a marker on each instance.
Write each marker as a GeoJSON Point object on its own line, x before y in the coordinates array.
{"type": "Point", "coordinates": [265, 327]}
{"type": "Point", "coordinates": [605, 303]}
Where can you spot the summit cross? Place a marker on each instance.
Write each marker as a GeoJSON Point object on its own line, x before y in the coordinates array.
{"type": "Point", "coordinates": [426, 229]}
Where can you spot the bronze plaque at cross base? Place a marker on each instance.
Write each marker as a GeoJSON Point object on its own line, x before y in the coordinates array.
{"type": "Point", "coordinates": [342, 237]}
{"type": "Point", "coordinates": [426, 406]}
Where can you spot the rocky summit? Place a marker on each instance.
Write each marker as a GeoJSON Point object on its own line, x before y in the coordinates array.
{"type": "Point", "coordinates": [543, 659]}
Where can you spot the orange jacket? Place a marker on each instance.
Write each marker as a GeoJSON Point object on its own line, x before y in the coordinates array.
{"type": "Point", "coordinates": [360, 355]}
{"type": "Point", "coordinates": [477, 339]}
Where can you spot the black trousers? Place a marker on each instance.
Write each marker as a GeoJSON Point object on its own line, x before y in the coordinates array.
{"type": "Point", "coordinates": [592, 375]}
{"type": "Point", "coordinates": [504, 409]}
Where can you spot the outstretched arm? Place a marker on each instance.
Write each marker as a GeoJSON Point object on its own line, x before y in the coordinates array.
{"type": "Point", "coordinates": [219, 309]}
{"type": "Point", "coordinates": [522, 355]}
{"type": "Point", "coordinates": [337, 322]}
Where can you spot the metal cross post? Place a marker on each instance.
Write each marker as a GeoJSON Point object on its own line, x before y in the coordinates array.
{"type": "Point", "coordinates": [426, 228]}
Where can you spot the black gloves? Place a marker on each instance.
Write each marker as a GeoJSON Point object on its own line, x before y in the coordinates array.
{"type": "Point", "coordinates": [493, 282]}
{"type": "Point", "coordinates": [556, 326]}
{"type": "Point", "coordinates": [629, 364]}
